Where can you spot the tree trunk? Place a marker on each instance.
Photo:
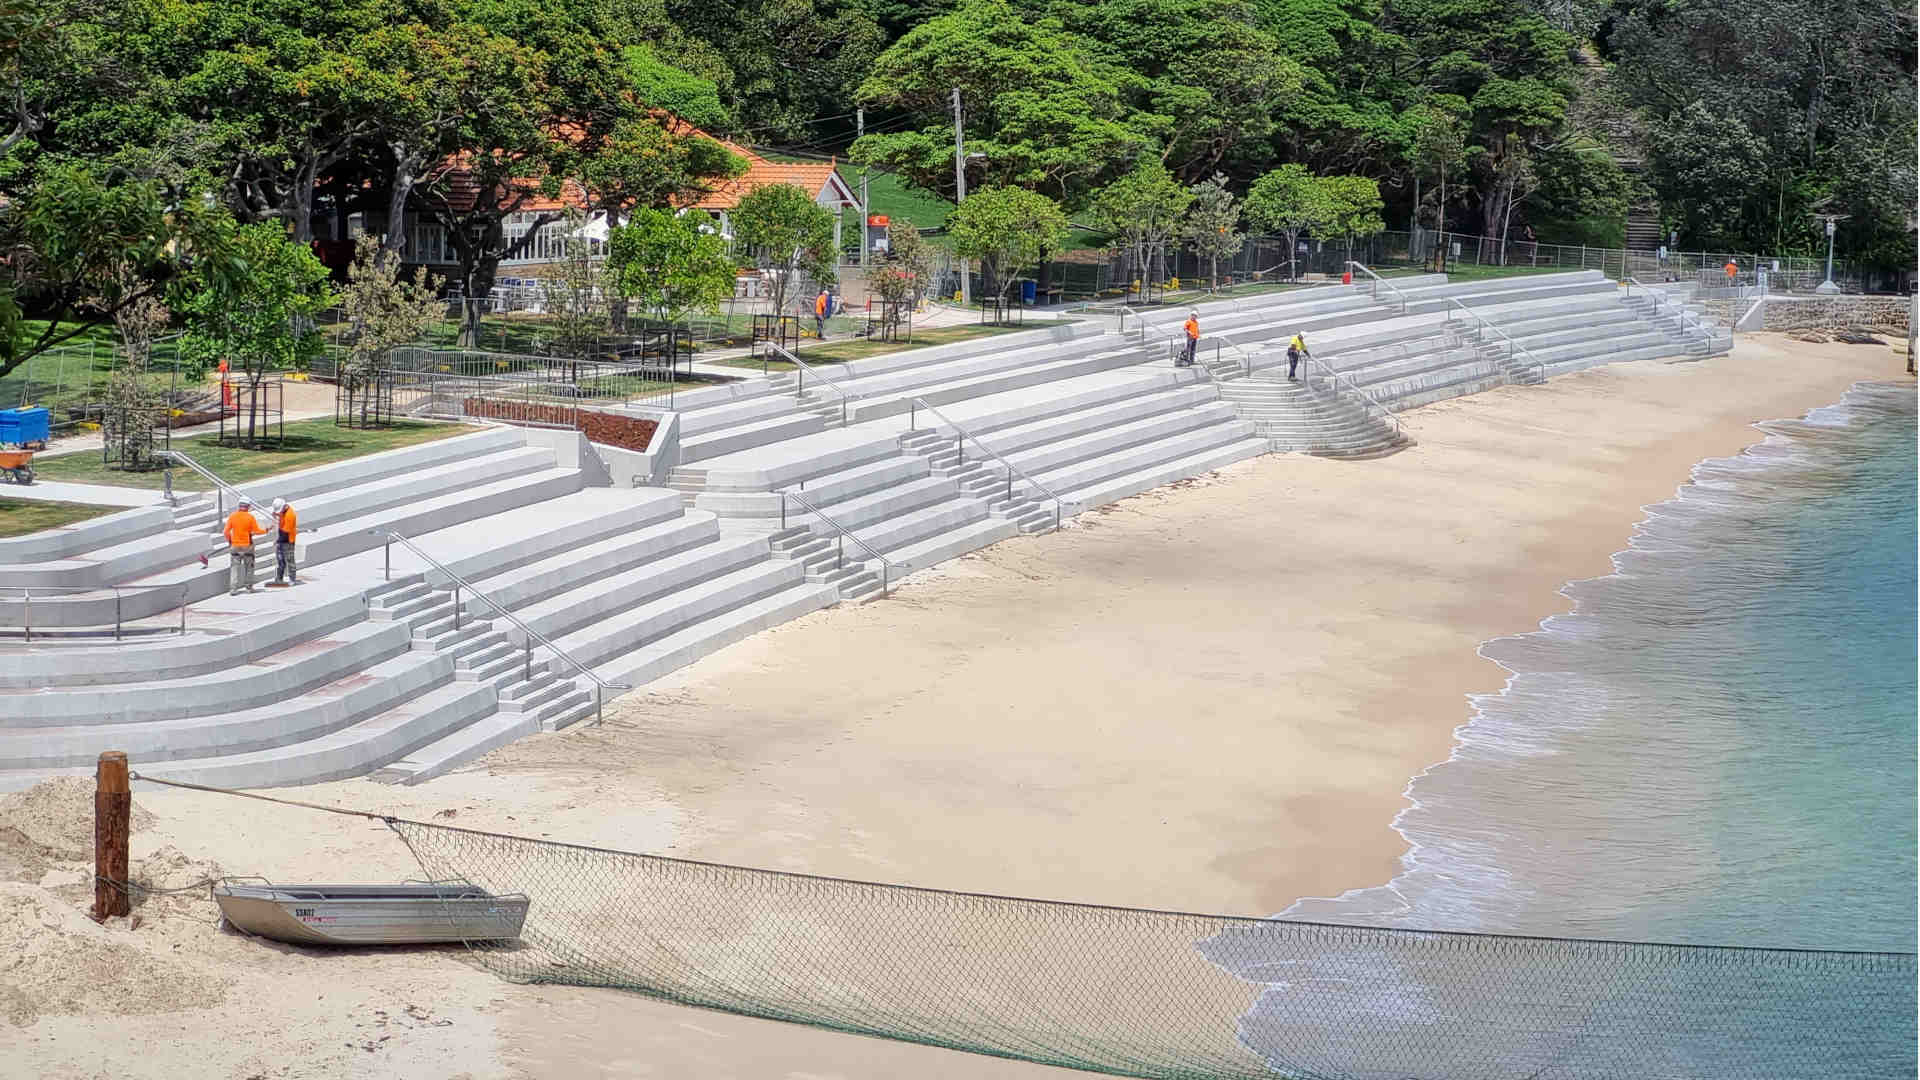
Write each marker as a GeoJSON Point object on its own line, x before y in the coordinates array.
{"type": "Point", "coordinates": [1440, 219]}
{"type": "Point", "coordinates": [301, 200]}
{"type": "Point", "coordinates": [405, 172]}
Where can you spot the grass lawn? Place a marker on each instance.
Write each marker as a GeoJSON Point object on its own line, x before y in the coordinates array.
{"type": "Point", "coordinates": [70, 372]}
{"type": "Point", "coordinates": [307, 443]}
{"type": "Point", "coordinates": [18, 517]}
{"type": "Point", "coordinates": [839, 352]}
{"type": "Point", "coordinates": [888, 194]}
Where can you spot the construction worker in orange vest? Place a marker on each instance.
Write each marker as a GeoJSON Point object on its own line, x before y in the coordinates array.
{"type": "Point", "coordinates": [1193, 339]}
{"type": "Point", "coordinates": [1733, 271]}
{"type": "Point", "coordinates": [288, 525]}
{"type": "Point", "coordinates": [822, 307]}
{"type": "Point", "coordinates": [240, 531]}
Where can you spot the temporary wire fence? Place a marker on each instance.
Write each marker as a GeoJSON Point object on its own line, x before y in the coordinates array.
{"type": "Point", "coordinates": [1172, 995]}
{"type": "Point", "coordinates": [1175, 995]}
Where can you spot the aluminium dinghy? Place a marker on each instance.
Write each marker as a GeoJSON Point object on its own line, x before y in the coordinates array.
{"type": "Point", "coordinates": [410, 914]}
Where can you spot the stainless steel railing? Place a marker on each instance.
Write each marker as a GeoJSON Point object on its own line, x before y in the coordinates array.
{"type": "Point", "coordinates": [599, 685]}
{"type": "Point", "coordinates": [1661, 299]}
{"type": "Point", "coordinates": [1379, 281]}
{"type": "Point", "coordinates": [961, 437]}
{"type": "Point", "coordinates": [841, 533]}
{"type": "Point", "coordinates": [221, 488]}
{"type": "Point", "coordinates": [801, 368]}
{"type": "Point", "coordinates": [1513, 347]}
{"type": "Point", "coordinates": [1367, 400]}
{"type": "Point", "coordinates": [26, 601]}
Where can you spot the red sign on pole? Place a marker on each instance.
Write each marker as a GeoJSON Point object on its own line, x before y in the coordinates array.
{"type": "Point", "coordinates": [877, 220]}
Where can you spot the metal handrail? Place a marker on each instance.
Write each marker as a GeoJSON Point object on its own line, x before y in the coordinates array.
{"type": "Point", "coordinates": [599, 684]}
{"type": "Point", "coordinates": [220, 487]}
{"type": "Point", "coordinates": [842, 534]}
{"type": "Point", "coordinates": [26, 601]}
{"type": "Point", "coordinates": [1399, 429]}
{"type": "Point", "coordinates": [960, 438]}
{"type": "Point", "coordinates": [1513, 346]}
{"type": "Point", "coordinates": [800, 383]}
{"type": "Point", "coordinates": [1145, 327]}
{"type": "Point", "coordinates": [1379, 281]}
{"type": "Point", "coordinates": [1660, 301]}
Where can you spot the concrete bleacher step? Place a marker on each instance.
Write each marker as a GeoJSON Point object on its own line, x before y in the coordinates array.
{"type": "Point", "coordinates": [451, 751]}
{"type": "Point", "coordinates": [353, 750]}
{"type": "Point", "coordinates": [313, 714]}
{"type": "Point", "coordinates": [1115, 485]}
{"type": "Point", "coordinates": [573, 567]}
{"type": "Point", "coordinates": [758, 432]}
{"type": "Point", "coordinates": [863, 510]}
{"type": "Point", "coordinates": [606, 600]}
{"type": "Point", "coordinates": [695, 638]}
{"type": "Point", "coordinates": [596, 640]}
{"type": "Point", "coordinates": [447, 509]}
{"type": "Point", "coordinates": [297, 666]}
{"type": "Point", "coordinates": [915, 525]}
{"type": "Point", "coordinates": [993, 382]}
{"type": "Point", "coordinates": [949, 543]}
{"type": "Point", "coordinates": [1100, 443]}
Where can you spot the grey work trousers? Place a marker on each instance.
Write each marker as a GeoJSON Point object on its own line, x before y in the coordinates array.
{"type": "Point", "coordinates": [240, 570]}
{"type": "Point", "coordinates": [283, 567]}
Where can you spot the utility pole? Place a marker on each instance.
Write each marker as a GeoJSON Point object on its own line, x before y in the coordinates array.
{"type": "Point", "coordinates": [860, 124]}
{"type": "Point", "coordinates": [960, 188]}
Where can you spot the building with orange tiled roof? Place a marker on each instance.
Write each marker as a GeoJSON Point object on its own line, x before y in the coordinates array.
{"type": "Point", "coordinates": [428, 243]}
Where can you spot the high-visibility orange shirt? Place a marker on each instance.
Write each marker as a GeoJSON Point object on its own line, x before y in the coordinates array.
{"type": "Point", "coordinates": [242, 527]}
{"type": "Point", "coordinates": [1193, 329]}
{"type": "Point", "coordinates": [820, 304]}
{"type": "Point", "coordinates": [1732, 269]}
{"type": "Point", "coordinates": [289, 525]}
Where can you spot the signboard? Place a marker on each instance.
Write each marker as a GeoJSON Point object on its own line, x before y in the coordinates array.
{"type": "Point", "coordinates": [878, 221]}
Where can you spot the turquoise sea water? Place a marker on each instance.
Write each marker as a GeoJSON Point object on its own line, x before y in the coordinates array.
{"type": "Point", "coordinates": [1716, 747]}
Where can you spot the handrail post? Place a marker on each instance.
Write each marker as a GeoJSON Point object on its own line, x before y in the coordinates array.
{"type": "Point", "coordinates": [26, 612]}
{"type": "Point", "coordinates": [116, 614]}
{"type": "Point", "coordinates": [183, 611]}
{"type": "Point", "coordinates": [526, 647]}
{"type": "Point", "coordinates": [386, 573]}
{"type": "Point", "coordinates": [839, 550]}
{"type": "Point", "coordinates": [599, 705]}
{"type": "Point", "coordinates": [456, 606]}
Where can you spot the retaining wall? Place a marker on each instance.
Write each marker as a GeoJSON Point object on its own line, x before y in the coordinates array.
{"type": "Point", "coordinates": [1835, 312]}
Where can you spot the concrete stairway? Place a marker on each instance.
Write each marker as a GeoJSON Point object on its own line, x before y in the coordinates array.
{"type": "Point", "coordinates": [1297, 417]}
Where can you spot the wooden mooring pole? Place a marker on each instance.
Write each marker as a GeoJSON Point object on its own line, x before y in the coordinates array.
{"type": "Point", "coordinates": [112, 827]}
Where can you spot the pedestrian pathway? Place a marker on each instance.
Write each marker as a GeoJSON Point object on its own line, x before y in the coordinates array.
{"type": "Point", "coordinates": [94, 494]}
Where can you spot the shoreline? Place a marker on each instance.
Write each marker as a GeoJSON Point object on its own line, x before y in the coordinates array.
{"type": "Point", "coordinates": [1646, 514]}
{"type": "Point", "coordinates": [1208, 698]}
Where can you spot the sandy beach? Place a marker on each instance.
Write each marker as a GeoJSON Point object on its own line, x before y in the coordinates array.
{"type": "Point", "coordinates": [1207, 698]}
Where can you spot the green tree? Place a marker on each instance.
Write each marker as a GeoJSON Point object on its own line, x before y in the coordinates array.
{"type": "Point", "coordinates": [1144, 208]}
{"type": "Point", "coordinates": [642, 164]}
{"type": "Point", "coordinates": [576, 302]}
{"type": "Point", "coordinates": [1009, 230]}
{"type": "Point", "coordinates": [1439, 147]}
{"type": "Point", "coordinates": [82, 249]}
{"type": "Point", "coordinates": [1289, 200]}
{"type": "Point", "coordinates": [671, 264]}
{"type": "Point", "coordinates": [1199, 78]}
{"type": "Point", "coordinates": [384, 310]}
{"type": "Point", "coordinates": [1038, 111]}
{"type": "Point", "coordinates": [1212, 224]}
{"type": "Point", "coordinates": [659, 85]}
{"type": "Point", "coordinates": [787, 235]}
{"type": "Point", "coordinates": [905, 275]}
{"type": "Point", "coordinates": [262, 319]}
{"type": "Point", "coordinates": [1354, 205]}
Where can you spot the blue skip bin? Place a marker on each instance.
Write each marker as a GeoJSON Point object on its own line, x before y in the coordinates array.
{"type": "Point", "coordinates": [20, 427]}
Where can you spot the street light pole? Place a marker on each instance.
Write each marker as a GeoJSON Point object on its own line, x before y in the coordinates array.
{"type": "Point", "coordinates": [1828, 286]}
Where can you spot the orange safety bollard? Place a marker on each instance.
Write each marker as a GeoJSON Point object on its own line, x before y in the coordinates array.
{"type": "Point", "coordinates": [1346, 277]}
